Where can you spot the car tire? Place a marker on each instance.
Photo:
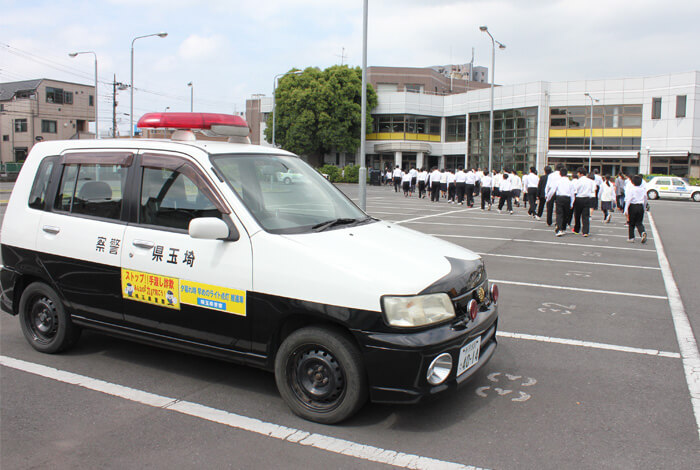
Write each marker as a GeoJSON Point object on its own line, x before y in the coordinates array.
{"type": "Point", "coordinates": [45, 323]}
{"type": "Point", "coordinates": [696, 197]}
{"type": "Point", "coordinates": [287, 180]}
{"type": "Point", "coordinates": [320, 374]}
{"type": "Point", "coordinates": [652, 194]}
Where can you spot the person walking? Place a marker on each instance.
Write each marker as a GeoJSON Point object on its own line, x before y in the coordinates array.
{"type": "Point", "coordinates": [635, 205]}
{"type": "Point", "coordinates": [552, 181]}
{"type": "Point", "coordinates": [563, 193]}
{"type": "Point", "coordinates": [541, 193]}
{"type": "Point", "coordinates": [478, 175]}
{"type": "Point", "coordinates": [598, 180]}
{"type": "Point", "coordinates": [517, 186]}
{"type": "Point", "coordinates": [414, 179]}
{"type": "Point", "coordinates": [451, 187]}
{"type": "Point", "coordinates": [397, 178]}
{"type": "Point", "coordinates": [443, 183]}
{"type": "Point", "coordinates": [531, 183]}
{"type": "Point", "coordinates": [435, 177]}
{"type": "Point", "coordinates": [406, 183]}
{"type": "Point", "coordinates": [422, 181]}
{"type": "Point", "coordinates": [486, 186]}
{"type": "Point", "coordinates": [496, 191]}
{"type": "Point", "coordinates": [620, 191]}
{"type": "Point", "coordinates": [460, 178]}
{"type": "Point", "coordinates": [583, 188]}
{"type": "Point", "coordinates": [607, 193]}
{"type": "Point", "coordinates": [469, 185]}
{"type": "Point", "coordinates": [506, 194]}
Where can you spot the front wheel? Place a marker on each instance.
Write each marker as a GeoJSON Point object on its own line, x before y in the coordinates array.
{"type": "Point", "coordinates": [696, 196]}
{"type": "Point", "coordinates": [45, 323]}
{"type": "Point", "coordinates": [320, 375]}
{"type": "Point", "coordinates": [652, 194]}
{"type": "Point", "coordinates": [287, 180]}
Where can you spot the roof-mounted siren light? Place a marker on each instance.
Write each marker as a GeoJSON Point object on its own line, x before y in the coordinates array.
{"type": "Point", "coordinates": [233, 127]}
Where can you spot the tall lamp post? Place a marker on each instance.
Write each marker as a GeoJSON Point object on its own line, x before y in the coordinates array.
{"type": "Point", "coordinates": [363, 111]}
{"type": "Point", "coordinates": [191, 96]}
{"type": "Point", "coordinates": [131, 113]}
{"type": "Point", "coordinates": [590, 136]}
{"type": "Point", "coordinates": [97, 119]}
{"type": "Point", "coordinates": [485, 29]}
{"type": "Point", "coordinates": [274, 89]}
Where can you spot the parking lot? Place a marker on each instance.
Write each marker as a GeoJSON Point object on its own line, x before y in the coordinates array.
{"type": "Point", "coordinates": [588, 372]}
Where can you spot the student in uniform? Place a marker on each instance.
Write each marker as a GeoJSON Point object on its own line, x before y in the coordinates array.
{"type": "Point", "coordinates": [486, 185]}
{"type": "Point", "coordinates": [387, 176]}
{"type": "Point", "coordinates": [620, 191]}
{"type": "Point", "coordinates": [506, 194]}
{"type": "Point", "coordinates": [598, 181]}
{"type": "Point", "coordinates": [443, 183]}
{"type": "Point", "coordinates": [635, 205]}
{"type": "Point", "coordinates": [469, 185]}
{"type": "Point", "coordinates": [478, 175]}
{"type": "Point", "coordinates": [451, 187]}
{"type": "Point", "coordinates": [552, 181]}
{"type": "Point", "coordinates": [517, 186]}
{"type": "Point", "coordinates": [541, 193]}
{"type": "Point", "coordinates": [406, 183]}
{"type": "Point", "coordinates": [607, 192]}
{"type": "Point", "coordinates": [583, 188]}
{"type": "Point", "coordinates": [563, 194]}
{"type": "Point", "coordinates": [460, 178]}
{"type": "Point", "coordinates": [414, 178]}
{"type": "Point", "coordinates": [496, 191]}
{"type": "Point", "coordinates": [422, 180]}
{"type": "Point", "coordinates": [435, 177]}
{"type": "Point", "coordinates": [531, 183]}
{"type": "Point", "coordinates": [397, 178]}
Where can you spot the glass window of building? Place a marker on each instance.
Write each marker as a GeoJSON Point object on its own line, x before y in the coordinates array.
{"type": "Point", "coordinates": [615, 127]}
{"type": "Point", "coordinates": [680, 105]}
{"type": "Point", "coordinates": [20, 125]}
{"type": "Point", "coordinates": [456, 129]}
{"type": "Point", "coordinates": [405, 127]}
{"type": "Point", "coordinates": [54, 95]}
{"type": "Point", "coordinates": [656, 108]}
{"type": "Point", "coordinates": [48, 126]}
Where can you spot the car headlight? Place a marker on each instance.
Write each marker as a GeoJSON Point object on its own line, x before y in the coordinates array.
{"type": "Point", "coordinates": [418, 310]}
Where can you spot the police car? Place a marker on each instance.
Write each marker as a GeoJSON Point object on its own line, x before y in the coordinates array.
{"type": "Point", "coordinates": [672, 187]}
{"type": "Point", "coordinates": [191, 245]}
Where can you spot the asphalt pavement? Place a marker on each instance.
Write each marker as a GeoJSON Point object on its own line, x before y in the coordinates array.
{"type": "Point", "coordinates": [588, 372]}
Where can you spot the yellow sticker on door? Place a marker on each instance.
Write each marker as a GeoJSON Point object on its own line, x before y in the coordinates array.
{"type": "Point", "coordinates": [170, 292]}
{"type": "Point", "coordinates": [213, 297]}
{"type": "Point", "coordinates": [151, 288]}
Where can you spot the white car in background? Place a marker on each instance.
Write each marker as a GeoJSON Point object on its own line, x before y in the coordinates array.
{"type": "Point", "coordinates": [289, 177]}
{"type": "Point", "coordinates": [672, 187]}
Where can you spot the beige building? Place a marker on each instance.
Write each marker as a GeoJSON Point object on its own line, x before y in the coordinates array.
{"type": "Point", "coordinates": [42, 109]}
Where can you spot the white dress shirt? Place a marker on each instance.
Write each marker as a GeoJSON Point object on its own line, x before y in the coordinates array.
{"type": "Point", "coordinates": [635, 195]}
{"type": "Point", "coordinates": [470, 178]}
{"type": "Point", "coordinates": [460, 177]}
{"type": "Point", "coordinates": [486, 181]}
{"type": "Point", "coordinates": [506, 185]}
{"type": "Point", "coordinates": [531, 180]}
{"type": "Point", "coordinates": [584, 187]}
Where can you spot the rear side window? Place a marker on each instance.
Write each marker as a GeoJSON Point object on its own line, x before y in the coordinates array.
{"type": "Point", "coordinates": [92, 189]}
{"type": "Point", "coordinates": [37, 196]}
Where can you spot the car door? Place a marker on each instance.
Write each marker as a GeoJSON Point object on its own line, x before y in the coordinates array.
{"type": "Point", "coordinates": [663, 187]}
{"type": "Point", "coordinates": [680, 190]}
{"type": "Point", "coordinates": [175, 285]}
{"type": "Point", "coordinates": [80, 236]}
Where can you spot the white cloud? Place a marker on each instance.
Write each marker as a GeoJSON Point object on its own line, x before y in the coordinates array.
{"type": "Point", "coordinates": [198, 48]}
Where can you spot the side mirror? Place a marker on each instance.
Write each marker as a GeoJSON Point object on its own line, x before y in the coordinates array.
{"type": "Point", "coordinates": [212, 228]}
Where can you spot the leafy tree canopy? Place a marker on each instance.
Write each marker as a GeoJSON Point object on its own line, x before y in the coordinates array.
{"type": "Point", "coordinates": [317, 111]}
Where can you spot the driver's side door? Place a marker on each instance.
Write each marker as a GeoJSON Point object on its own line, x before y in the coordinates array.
{"type": "Point", "coordinates": [173, 285]}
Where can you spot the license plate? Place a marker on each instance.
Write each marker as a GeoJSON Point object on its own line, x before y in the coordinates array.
{"type": "Point", "coordinates": [468, 356]}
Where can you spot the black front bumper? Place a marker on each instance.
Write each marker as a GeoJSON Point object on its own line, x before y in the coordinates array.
{"type": "Point", "coordinates": [397, 363]}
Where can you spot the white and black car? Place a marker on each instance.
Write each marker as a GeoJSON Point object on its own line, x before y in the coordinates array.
{"type": "Point", "coordinates": [191, 245]}
{"type": "Point", "coordinates": [672, 187]}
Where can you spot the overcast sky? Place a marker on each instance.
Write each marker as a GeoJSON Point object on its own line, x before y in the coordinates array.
{"type": "Point", "coordinates": [231, 49]}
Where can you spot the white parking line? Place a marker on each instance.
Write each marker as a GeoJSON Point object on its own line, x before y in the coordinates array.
{"type": "Point", "coordinates": [584, 245]}
{"type": "Point", "coordinates": [432, 215]}
{"type": "Point", "coordinates": [507, 227]}
{"type": "Point", "coordinates": [580, 289]}
{"type": "Point", "coordinates": [573, 261]}
{"type": "Point", "coordinates": [588, 344]}
{"type": "Point", "coordinates": [684, 331]}
{"type": "Point", "coordinates": [275, 431]}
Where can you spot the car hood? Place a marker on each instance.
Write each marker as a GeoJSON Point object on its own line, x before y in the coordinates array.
{"type": "Point", "coordinates": [355, 266]}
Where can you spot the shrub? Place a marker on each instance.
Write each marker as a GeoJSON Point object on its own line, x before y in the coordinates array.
{"type": "Point", "coordinates": [351, 173]}
{"type": "Point", "coordinates": [333, 172]}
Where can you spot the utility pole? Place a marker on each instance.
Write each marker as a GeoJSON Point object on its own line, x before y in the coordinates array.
{"type": "Point", "coordinates": [121, 86]}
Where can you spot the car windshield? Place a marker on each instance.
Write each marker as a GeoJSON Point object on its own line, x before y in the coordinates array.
{"type": "Point", "coordinates": [286, 195]}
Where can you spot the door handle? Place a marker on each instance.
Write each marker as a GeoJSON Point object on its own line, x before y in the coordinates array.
{"type": "Point", "coordinates": [143, 244]}
{"type": "Point", "coordinates": [51, 229]}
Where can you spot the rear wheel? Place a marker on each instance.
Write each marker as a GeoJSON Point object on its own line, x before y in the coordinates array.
{"type": "Point", "coordinates": [45, 323]}
{"type": "Point", "coordinates": [287, 180]}
{"type": "Point", "coordinates": [320, 375]}
{"type": "Point", "coordinates": [652, 194]}
{"type": "Point", "coordinates": [696, 196]}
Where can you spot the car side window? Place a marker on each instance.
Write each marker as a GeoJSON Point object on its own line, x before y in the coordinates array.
{"type": "Point", "coordinates": [37, 196]}
{"type": "Point", "coordinates": [663, 182]}
{"type": "Point", "coordinates": [678, 182]}
{"type": "Point", "coordinates": [91, 189]}
{"type": "Point", "coordinates": [169, 198]}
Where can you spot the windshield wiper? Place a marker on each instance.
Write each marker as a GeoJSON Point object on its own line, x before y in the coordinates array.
{"type": "Point", "coordinates": [333, 223]}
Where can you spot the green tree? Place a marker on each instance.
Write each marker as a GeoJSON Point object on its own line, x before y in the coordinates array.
{"type": "Point", "coordinates": [318, 111]}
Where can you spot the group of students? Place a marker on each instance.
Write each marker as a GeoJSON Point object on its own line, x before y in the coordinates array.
{"type": "Point", "coordinates": [570, 200]}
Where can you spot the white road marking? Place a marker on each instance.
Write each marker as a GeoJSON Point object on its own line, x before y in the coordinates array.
{"type": "Point", "coordinates": [684, 331]}
{"type": "Point", "coordinates": [520, 240]}
{"type": "Point", "coordinates": [580, 289]}
{"type": "Point", "coordinates": [597, 263]}
{"type": "Point", "coordinates": [506, 227]}
{"type": "Point", "coordinates": [588, 344]}
{"type": "Point", "coordinates": [276, 431]}
{"type": "Point", "coordinates": [432, 215]}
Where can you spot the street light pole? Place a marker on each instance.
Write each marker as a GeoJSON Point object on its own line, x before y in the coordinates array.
{"type": "Point", "coordinates": [485, 29]}
{"type": "Point", "coordinates": [363, 120]}
{"type": "Point", "coordinates": [191, 96]}
{"type": "Point", "coordinates": [274, 89]}
{"type": "Point", "coordinates": [590, 137]}
{"type": "Point", "coordinates": [131, 113]}
{"type": "Point", "coordinates": [97, 119]}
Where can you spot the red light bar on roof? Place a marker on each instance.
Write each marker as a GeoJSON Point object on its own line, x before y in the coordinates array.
{"type": "Point", "coordinates": [222, 124]}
